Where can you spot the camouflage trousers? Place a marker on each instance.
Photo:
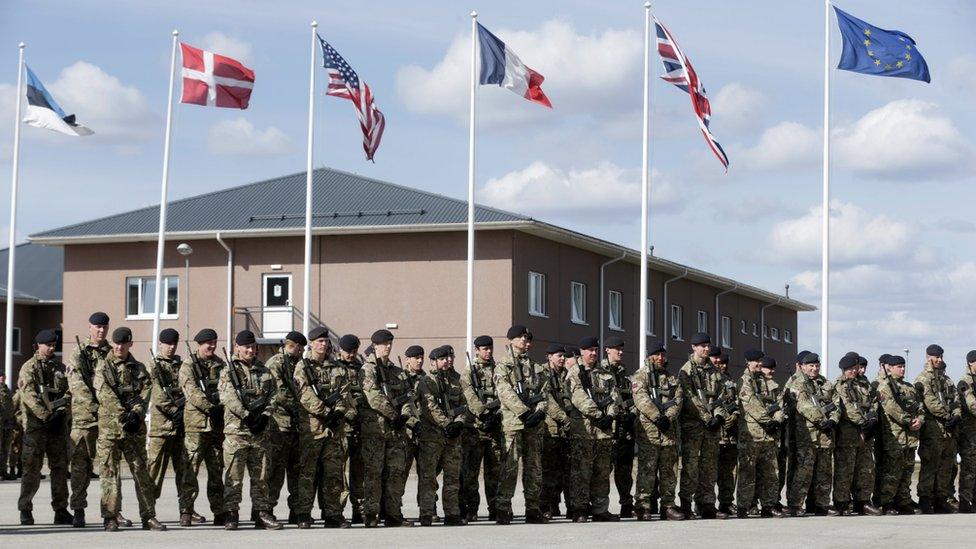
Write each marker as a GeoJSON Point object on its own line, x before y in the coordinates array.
{"type": "Point", "coordinates": [657, 473]}
{"type": "Point", "coordinates": [728, 460]}
{"type": "Point", "coordinates": [853, 472]}
{"type": "Point", "coordinates": [967, 465]}
{"type": "Point", "coordinates": [38, 444]}
{"type": "Point", "coordinates": [16, 449]}
{"type": "Point", "coordinates": [162, 450]}
{"type": "Point", "coordinates": [413, 450]}
{"type": "Point", "coordinates": [896, 480]}
{"type": "Point", "coordinates": [812, 478]}
{"type": "Point", "coordinates": [251, 454]}
{"type": "Point", "coordinates": [758, 474]}
{"type": "Point", "coordinates": [81, 464]}
{"type": "Point", "coordinates": [481, 452]}
{"type": "Point", "coordinates": [109, 455]}
{"type": "Point", "coordinates": [6, 437]}
{"type": "Point", "coordinates": [521, 447]}
{"type": "Point", "coordinates": [555, 470]}
{"type": "Point", "coordinates": [384, 459]}
{"type": "Point", "coordinates": [285, 462]}
{"type": "Point", "coordinates": [356, 471]}
{"type": "Point", "coordinates": [623, 453]}
{"type": "Point", "coordinates": [936, 477]}
{"type": "Point", "coordinates": [591, 462]}
{"type": "Point", "coordinates": [435, 455]}
{"type": "Point", "coordinates": [699, 466]}
{"type": "Point", "coordinates": [207, 449]}
{"type": "Point", "coordinates": [324, 458]}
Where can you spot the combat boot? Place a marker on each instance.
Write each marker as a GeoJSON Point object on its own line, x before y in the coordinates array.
{"type": "Point", "coordinates": [304, 521]}
{"type": "Point", "coordinates": [578, 516]}
{"type": "Point", "coordinates": [890, 510]}
{"type": "Point", "coordinates": [943, 507]}
{"type": "Point", "coordinates": [370, 521]}
{"type": "Point", "coordinates": [231, 521]}
{"type": "Point", "coordinates": [906, 509]}
{"type": "Point", "coordinates": [79, 519]}
{"type": "Point", "coordinates": [710, 512]}
{"type": "Point", "coordinates": [220, 519]}
{"type": "Point", "coordinates": [426, 520]}
{"type": "Point", "coordinates": [197, 518]}
{"type": "Point", "coordinates": [535, 517]}
{"type": "Point", "coordinates": [606, 516]}
{"type": "Point", "coordinates": [742, 513]}
{"type": "Point", "coordinates": [456, 520]}
{"type": "Point", "coordinates": [186, 520]}
{"type": "Point", "coordinates": [753, 511]}
{"type": "Point", "coordinates": [770, 512]}
{"type": "Point", "coordinates": [728, 509]}
{"type": "Point", "coordinates": [686, 508]}
{"type": "Point", "coordinates": [111, 525]}
{"type": "Point", "coordinates": [267, 521]}
{"type": "Point", "coordinates": [925, 505]}
{"type": "Point", "coordinates": [672, 513]}
{"type": "Point", "coordinates": [63, 518]}
{"type": "Point", "coordinates": [645, 516]}
{"type": "Point", "coordinates": [357, 517]}
{"type": "Point", "coordinates": [503, 517]}
{"type": "Point", "coordinates": [652, 507]}
{"type": "Point", "coordinates": [865, 508]}
{"type": "Point", "coordinates": [124, 522]}
{"type": "Point", "coordinates": [792, 511]}
{"type": "Point", "coordinates": [472, 516]}
{"type": "Point", "coordinates": [26, 518]}
{"type": "Point", "coordinates": [335, 522]}
{"type": "Point", "coordinates": [627, 511]}
{"type": "Point", "coordinates": [152, 524]}
{"type": "Point", "coordinates": [397, 522]}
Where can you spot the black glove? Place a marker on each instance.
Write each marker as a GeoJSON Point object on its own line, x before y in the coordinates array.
{"type": "Point", "coordinates": [827, 426]}
{"type": "Point", "coordinates": [953, 421]}
{"type": "Point", "coordinates": [132, 422]}
{"type": "Point", "coordinates": [534, 418]}
{"type": "Point", "coordinates": [55, 421]}
{"type": "Point", "coordinates": [663, 423]}
{"type": "Point", "coordinates": [772, 408]}
{"type": "Point", "coordinates": [627, 419]}
{"type": "Point", "coordinates": [604, 422]}
{"type": "Point", "coordinates": [416, 428]}
{"type": "Point", "coordinates": [217, 410]}
{"type": "Point", "coordinates": [453, 429]}
{"type": "Point", "coordinates": [714, 424]}
{"type": "Point", "coordinates": [772, 427]}
{"type": "Point", "coordinates": [491, 423]}
{"type": "Point", "coordinates": [400, 422]}
{"type": "Point", "coordinates": [333, 419]}
{"type": "Point", "coordinates": [868, 427]}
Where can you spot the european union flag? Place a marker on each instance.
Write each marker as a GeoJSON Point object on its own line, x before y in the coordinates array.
{"type": "Point", "coordinates": [880, 52]}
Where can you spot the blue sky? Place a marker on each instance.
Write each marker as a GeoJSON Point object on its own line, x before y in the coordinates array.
{"type": "Point", "coordinates": [902, 169]}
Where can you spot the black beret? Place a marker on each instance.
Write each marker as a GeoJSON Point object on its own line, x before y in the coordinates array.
{"type": "Point", "coordinates": [701, 338]}
{"type": "Point", "coordinates": [655, 347]}
{"type": "Point", "coordinates": [47, 337]}
{"type": "Point", "coordinates": [516, 331]}
{"type": "Point", "coordinates": [414, 351]}
{"type": "Point", "coordinates": [753, 355]}
{"type": "Point", "coordinates": [122, 335]}
{"type": "Point", "coordinates": [895, 360]}
{"type": "Point", "coordinates": [862, 361]}
{"type": "Point", "coordinates": [484, 341]}
{"type": "Point", "coordinates": [318, 333]}
{"type": "Point", "coordinates": [884, 359]}
{"type": "Point", "coordinates": [245, 337]}
{"type": "Point", "coordinates": [714, 350]}
{"type": "Point", "coordinates": [613, 342]}
{"type": "Point", "coordinates": [847, 362]}
{"type": "Point", "coordinates": [589, 342]}
{"type": "Point", "coordinates": [768, 362]}
{"type": "Point", "coordinates": [297, 337]}
{"type": "Point", "coordinates": [348, 343]}
{"type": "Point", "coordinates": [381, 336]}
{"type": "Point", "coordinates": [800, 355]}
{"type": "Point", "coordinates": [971, 356]}
{"type": "Point", "coordinates": [572, 350]}
{"type": "Point", "coordinates": [934, 350]}
{"type": "Point", "coordinates": [98, 319]}
{"type": "Point", "coordinates": [439, 352]}
{"type": "Point", "coordinates": [810, 358]}
{"type": "Point", "coordinates": [555, 348]}
{"type": "Point", "coordinates": [449, 349]}
{"type": "Point", "coordinates": [205, 335]}
{"type": "Point", "coordinates": [170, 336]}
{"type": "Point", "coordinates": [852, 353]}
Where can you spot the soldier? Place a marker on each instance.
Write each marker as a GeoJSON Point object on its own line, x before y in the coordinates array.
{"type": "Point", "coordinates": [167, 433]}
{"type": "Point", "coordinates": [816, 417]}
{"type": "Point", "coordinates": [348, 358]}
{"type": "Point", "coordinates": [658, 397]}
{"type": "Point", "coordinates": [414, 370]}
{"type": "Point", "coordinates": [854, 451]}
{"type": "Point", "coordinates": [786, 460]}
{"type": "Point", "coordinates": [203, 421]}
{"type": "Point", "coordinates": [482, 440]}
{"type": "Point", "coordinates": [7, 423]}
{"type": "Point", "coordinates": [901, 422]}
{"type": "Point", "coordinates": [84, 411]}
{"type": "Point", "coordinates": [702, 417]}
{"type": "Point", "coordinates": [728, 451]}
{"type": "Point", "coordinates": [283, 429]}
{"type": "Point", "coordinates": [623, 434]}
{"type": "Point", "coordinates": [383, 428]}
{"type": "Point", "coordinates": [760, 423]}
{"type": "Point", "coordinates": [521, 390]}
{"type": "Point", "coordinates": [122, 386]}
{"type": "Point", "coordinates": [44, 403]}
{"type": "Point", "coordinates": [328, 409]}
{"type": "Point", "coordinates": [967, 436]}
{"type": "Point", "coordinates": [555, 439]}
{"type": "Point", "coordinates": [936, 479]}
{"type": "Point", "coordinates": [247, 390]}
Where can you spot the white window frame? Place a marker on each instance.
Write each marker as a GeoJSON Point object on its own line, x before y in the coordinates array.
{"type": "Point", "coordinates": [537, 294]}
{"type": "Point", "coordinates": [677, 316]}
{"type": "Point", "coordinates": [581, 305]}
{"type": "Point", "coordinates": [615, 301]}
{"type": "Point", "coordinates": [765, 331]}
{"type": "Point", "coordinates": [703, 321]}
{"type": "Point", "coordinates": [774, 333]}
{"type": "Point", "coordinates": [755, 329]}
{"type": "Point", "coordinates": [650, 316]}
{"type": "Point", "coordinates": [15, 341]}
{"type": "Point", "coordinates": [726, 334]}
{"type": "Point", "coordinates": [142, 313]}
{"type": "Point", "coordinates": [788, 336]}
{"type": "Point", "coordinates": [743, 327]}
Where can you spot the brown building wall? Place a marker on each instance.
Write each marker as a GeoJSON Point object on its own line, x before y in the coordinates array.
{"type": "Point", "coordinates": [30, 318]}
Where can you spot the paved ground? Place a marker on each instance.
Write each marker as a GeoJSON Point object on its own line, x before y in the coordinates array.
{"type": "Point", "coordinates": [917, 531]}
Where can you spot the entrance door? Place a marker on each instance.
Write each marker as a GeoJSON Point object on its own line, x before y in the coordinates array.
{"type": "Point", "coordinates": [277, 314]}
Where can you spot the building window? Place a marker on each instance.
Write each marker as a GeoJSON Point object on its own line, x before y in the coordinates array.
{"type": "Point", "coordinates": [537, 294]}
{"type": "Point", "coordinates": [140, 292]}
{"type": "Point", "coordinates": [703, 321]}
{"type": "Point", "coordinates": [726, 332]}
{"type": "Point", "coordinates": [755, 330]}
{"type": "Point", "coordinates": [787, 336]}
{"type": "Point", "coordinates": [676, 314]}
{"type": "Point", "coordinates": [774, 332]}
{"type": "Point", "coordinates": [577, 302]}
{"type": "Point", "coordinates": [650, 317]}
{"type": "Point", "coordinates": [15, 342]}
{"type": "Point", "coordinates": [616, 310]}
{"type": "Point", "coordinates": [742, 327]}
{"type": "Point", "coordinates": [765, 331]}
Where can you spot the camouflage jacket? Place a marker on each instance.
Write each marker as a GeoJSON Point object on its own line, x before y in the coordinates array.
{"type": "Point", "coordinates": [168, 402]}
{"type": "Point", "coordinates": [318, 382]}
{"type": "Point", "coordinates": [508, 376]}
{"type": "Point", "coordinates": [81, 376]}
{"type": "Point", "coordinates": [761, 402]}
{"type": "Point", "coordinates": [703, 386]}
{"type": "Point", "coordinates": [622, 380]}
{"type": "Point", "coordinates": [858, 402]}
{"type": "Point", "coordinates": [730, 395]}
{"type": "Point", "coordinates": [481, 372]}
{"type": "Point", "coordinates": [646, 385]}
{"type": "Point", "coordinates": [283, 369]}
{"type": "Point", "coordinates": [256, 383]}
{"type": "Point", "coordinates": [967, 396]}
{"type": "Point", "coordinates": [814, 405]}
{"type": "Point", "coordinates": [901, 406]}
{"type": "Point", "coordinates": [42, 385]}
{"type": "Point", "coordinates": [129, 377]}
{"type": "Point", "coordinates": [441, 402]}
{"type": "Point", "coordinates": [355, 377]}
{"type": "Point", "coordinates": [557, 413]}
{"type": "Point", "coordinates": [939, 400]}
{"type": "Point", "coordinates": [7, 418]}
{"type": "Point", "coordinates": [198, 401]}
{"type": "Point", "coordinates": [593, 400]}
{"type": "Point", "coordinates": [389, 397]}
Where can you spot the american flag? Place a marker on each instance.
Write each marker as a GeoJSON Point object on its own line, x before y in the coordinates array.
{"type": "Point", "coordinates": [345, 83]}
{"type": "Point", "coordinates": [680, 73]}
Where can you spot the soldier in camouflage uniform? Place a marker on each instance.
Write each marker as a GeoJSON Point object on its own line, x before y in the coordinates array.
{"type": "Point", "coordinates": [702, 418]}
{"type": "Point", "coordinates": [203, 421]}
{"type": "Point", "coordinates": [247, 390]}
{"type": "Point", "coordinates": [555, 439]}
{"type": "Point", "coordinates": [901, 422]}
{"type": "Point", "coordinates": [728, 444]}
{"type": "Point", "coordinates": [786, 459]}
{"type": "Point", "coordinates": [414, 369]}
{"type": "Point", "coordinates": [938, 442]}
{"type": "Point", "coordinates": [44, 404]}
{"type": "Point", "coordinates": [7, 424]}
{"type": "Point", "coordinates": [84, 411]}
{"type": "Point", "coordinates": [283, 429]}
{"type": "Point", "coordinates": [122, 386]}
{"type": "Point", "coordinates": [328, 409]}
{"type": "Point", "coordinates": [349, 359]}
{"type": "Point", "coordinates": [624, 445]}
{"type": "Point", "coordinates": [967, 436]}
{"type": "Point", "coordinates": [481, 441]}
{"type": "Point", "coordinates": [521, 390]}
{"type": "Point", "coordinates": [854, 451]}
{"type": "Point", "coordinates": [760, 423]}
{"type": "Point", "coordinates": [658, 398]}
{"type": "Point", "coordinates": [383, 426]}
{"type": "Point", "coordinates": [814, 422]}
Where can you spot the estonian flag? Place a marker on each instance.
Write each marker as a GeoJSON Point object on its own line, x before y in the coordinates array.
{"type": "Point", "coordinates": [44, 112]}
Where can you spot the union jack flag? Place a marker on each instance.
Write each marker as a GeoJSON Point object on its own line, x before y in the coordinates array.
{"type": "Point", "coordinates": [680, 73]}
{"type": "Point", "coordinates": [345, 83]}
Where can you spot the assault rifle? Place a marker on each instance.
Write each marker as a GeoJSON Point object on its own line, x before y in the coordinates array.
{"type": "Point", "coordinates": [527, 396]}
{"type": "Point", "coordinates": [254, 405]}
{"type": "Point", "coordinates": [131, 421]}
{"type": "Point", "coordinates": [398, 402]}
{"type": "Point", "coordinates": [174, 394]}
{"type": "Point", "coordinates": [209, 389]}
{"type": "Point", "coordinates": [479, 388]}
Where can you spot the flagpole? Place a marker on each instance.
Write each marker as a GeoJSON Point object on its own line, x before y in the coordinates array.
{"type": "Point", "coordinates": [469, 325]}
{"type": "Point", "coordinates": [306, 305]}
{"type": "Point", "coordinates": [8, 355]}
{"type": "Point", "coordinates": [161, 237]}
{"type": "Point", "coordinates": [825, 252]}
{"type": "Point", "coordinates": [645, 191]}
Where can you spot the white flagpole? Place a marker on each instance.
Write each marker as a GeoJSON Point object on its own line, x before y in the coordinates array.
{"type": "Point", "coordinates": [825, 252]}
{"type": "Point", "coordinates": [307, 298]}
{"type": "Point", "coordinates": [469, 326]}
{"type": "Point", "coordinates": [645, 191]}
{"type": "Point", "coordinates": [161, 238]}
{"type": "Point", "coordinates": [8, 355]}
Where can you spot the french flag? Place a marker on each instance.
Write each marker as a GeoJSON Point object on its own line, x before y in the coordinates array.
{"type": "Point", "coordinates": [500, 66]}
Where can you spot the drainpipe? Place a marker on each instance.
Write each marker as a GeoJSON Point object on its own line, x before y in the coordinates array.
{"type": "Point", "coordinates": [667, 312]}
{"type": "Point", "coordinates": [718, 319]}
{"type": "Point", "coordinates": [230, 290]}
{"type": "Point", "coordinates": [603, 296]}
{"type": "Point", "coordinates": [762, 323]}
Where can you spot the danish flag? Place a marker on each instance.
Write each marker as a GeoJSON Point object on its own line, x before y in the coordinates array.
{"type": "Point", "coordinates": [215, 80]}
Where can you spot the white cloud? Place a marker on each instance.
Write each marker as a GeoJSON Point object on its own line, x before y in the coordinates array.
{"type": "Point", "coordinates": [228, 46]}
{"type": "Point", "coordinates": [750, 210]}
{"type": "Point", "coordinates": [962, 71]}
{"type": "Point", "coordinates": [240, 137]}
{"type": "Point", "coordinates": [785, 146]}
{"type": "Point", "coordinates": [737, 106]}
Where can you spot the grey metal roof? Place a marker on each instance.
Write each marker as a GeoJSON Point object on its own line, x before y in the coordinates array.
{"type": "Point", "coordinates": [39, 273]}
{"type": "Point", "coordinates": [339, 199]}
